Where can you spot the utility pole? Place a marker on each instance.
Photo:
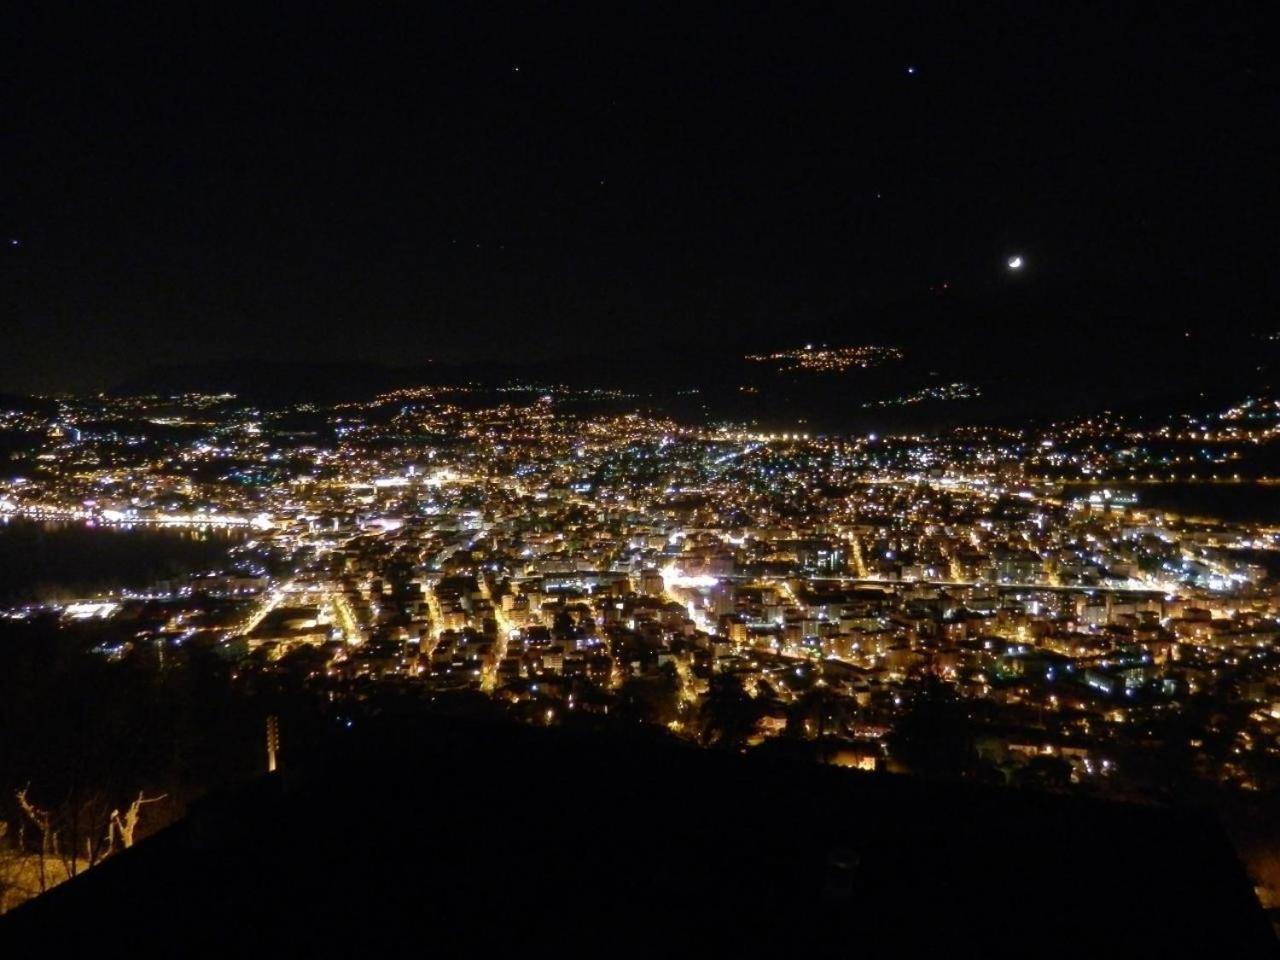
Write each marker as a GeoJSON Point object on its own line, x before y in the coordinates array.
{"type": "Point", "coordinates": [273, 741]}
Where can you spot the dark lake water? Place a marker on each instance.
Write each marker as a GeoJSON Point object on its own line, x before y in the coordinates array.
{"type": "Point", "coordinates": [58, 561]}
{"type": "Point", "coordinates": [1259, 503]}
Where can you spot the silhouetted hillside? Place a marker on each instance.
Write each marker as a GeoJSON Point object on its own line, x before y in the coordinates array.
{"type": "Point", "coordinates": [448, 836]}
{"type": "Point", "coordinates": [1014, 378]}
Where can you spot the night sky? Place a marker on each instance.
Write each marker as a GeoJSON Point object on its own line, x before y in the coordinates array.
{"type": "Point", "coordinates": [396, 187]}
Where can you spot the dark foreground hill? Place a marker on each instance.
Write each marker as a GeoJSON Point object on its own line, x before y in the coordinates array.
{"type": "Point", "coordinates": [440, 838]}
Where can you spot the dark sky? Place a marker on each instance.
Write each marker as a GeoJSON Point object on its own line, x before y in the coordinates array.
{"type": "Point", "coordinates": [395, 186]}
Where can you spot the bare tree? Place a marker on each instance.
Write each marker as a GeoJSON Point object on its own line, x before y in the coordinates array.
{"type": "Point", "coordinates": [100, 840]}
{"type": "Point", "coordinates": [8, 865]}
{"type": "Point", "coordinates": [125, 826]}
{"type": "Point", "coordinates": [41, 821]}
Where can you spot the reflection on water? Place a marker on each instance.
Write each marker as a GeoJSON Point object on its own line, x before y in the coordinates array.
{"type": "Point", "coordinates": [1244, 502]}
{"type": "Point", "coordinates": [58, 560]}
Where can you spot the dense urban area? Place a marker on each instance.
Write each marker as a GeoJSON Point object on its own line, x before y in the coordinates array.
{"type": "Point", "coordinates": [994, 603]}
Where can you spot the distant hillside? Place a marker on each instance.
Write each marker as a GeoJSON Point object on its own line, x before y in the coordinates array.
{"type": "Point", "coordinates": [1090, 368]}
{"type": "Point", "coordinates": [34, 405]}
{"type": "Point", "coordinates": [270, 382]}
